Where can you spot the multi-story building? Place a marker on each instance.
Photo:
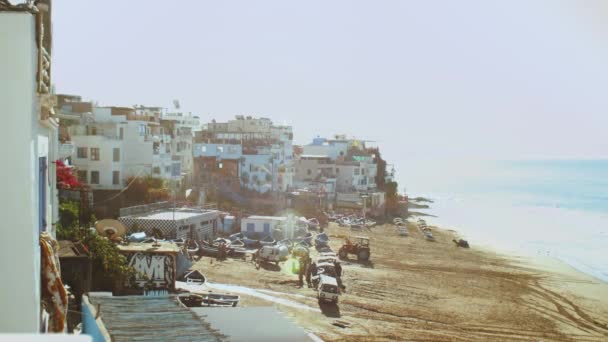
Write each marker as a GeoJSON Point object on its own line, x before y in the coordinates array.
{"type": "Point", "coordinates": [260, 152]}
{"type": "Point", "coordinates": [30, 149]}
{"type": "Point", "coordinates": [111, 144]}
{"type": "Point", "coordinates": [346, 162]}
{"type": "Point", "coordinates": [341, 169]}
{"type": "Point", "coordinates": [181, 127]}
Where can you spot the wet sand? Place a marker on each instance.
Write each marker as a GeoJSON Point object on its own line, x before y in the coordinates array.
{"type": "Point", "coordinates": [413, 289]}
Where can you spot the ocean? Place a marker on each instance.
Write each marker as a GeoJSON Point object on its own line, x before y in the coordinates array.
{"type": "Point", "coordinates": [555, 208]}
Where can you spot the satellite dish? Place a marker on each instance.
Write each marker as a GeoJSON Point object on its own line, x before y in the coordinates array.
{"type": "Point", "coordinates": [110, 228]}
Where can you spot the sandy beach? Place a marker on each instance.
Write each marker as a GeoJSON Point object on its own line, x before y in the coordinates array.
{"type": "Point", "coordinates": [417, 290]}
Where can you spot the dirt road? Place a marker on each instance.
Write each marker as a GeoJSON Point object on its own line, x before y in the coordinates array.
{"type": "Point", "coordinates": [413, 289]}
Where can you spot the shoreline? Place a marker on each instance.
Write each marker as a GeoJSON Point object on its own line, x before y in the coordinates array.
{"type": "Point", "coordinates": [414, 289]}
{"type": "Point", "coordinates": [549, 250]}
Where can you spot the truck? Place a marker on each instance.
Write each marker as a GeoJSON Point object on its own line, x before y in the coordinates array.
{"type": "Point", "coordinates": [328, 290]}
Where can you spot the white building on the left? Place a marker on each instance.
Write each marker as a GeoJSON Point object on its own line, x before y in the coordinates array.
{"type": "Point", "coordinates": [29, 149]}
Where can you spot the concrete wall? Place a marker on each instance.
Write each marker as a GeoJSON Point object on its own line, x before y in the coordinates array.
{"type": "Point", "coordinates": [19, 250]}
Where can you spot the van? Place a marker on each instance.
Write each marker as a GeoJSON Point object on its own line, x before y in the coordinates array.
{"type": "Point", "coordinates": [328, 290]}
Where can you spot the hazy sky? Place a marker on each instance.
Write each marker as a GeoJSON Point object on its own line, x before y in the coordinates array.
{"type": "Point", "coordinates": [489, 79]}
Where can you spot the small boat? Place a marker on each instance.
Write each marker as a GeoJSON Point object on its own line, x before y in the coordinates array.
{"type": "Point", "coordinates": [208, 249]}
{"type": "Point", "coordinates": [237, 244]}
{"type": "Point", "coordinates": [192, 247]}
{"type": "Point", "coordinates": [321, 240]}
{"type": "Point", "coordinates": [429, 235]}
{"type": "Point", "coordinates": [236, 236]}
{"type": "Point", "coordinates": [219, 241]}
{"type": "Point", "coordinates": [268, 241]}
{"type": "Point", "coordinates": [403, 231]}
{"type": "Point", "coordinates": [208, 299]}
{"type": "Point", "coordinates": [250, 243]}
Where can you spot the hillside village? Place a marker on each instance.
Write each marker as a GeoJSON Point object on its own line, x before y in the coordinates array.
{"type": "Point", "coordinates": [237, 162]}
{"type": "Point", "coordinates": [150, 223]}
{"type": "Point", "coordinates": [163, 186]}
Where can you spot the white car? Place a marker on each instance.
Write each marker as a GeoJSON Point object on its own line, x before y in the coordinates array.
{"type": "Point", "coordinates": [328, 290]}
{"type": "Point", "coordinates": [273, 254]}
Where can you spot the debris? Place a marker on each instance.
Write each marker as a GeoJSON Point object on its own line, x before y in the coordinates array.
{"type": "Point", "coordinates": [341, 324]}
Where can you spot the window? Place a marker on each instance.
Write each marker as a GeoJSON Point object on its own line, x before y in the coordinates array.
{"type": "Point", "coordinates": [220, 149]}
{"type": "Point", "coordinates": [167, 169]}
{"type": "Point", "coordinates": [309, 172]}
{"type": "Point", "coordinates": [356, 172]}
{"type": "Point", "coordinates": [116, 156]}
{"type": "Point", "coordinates": [94, 153]}
{"type": "Point", "coordinates": [267, 228]}
{"type": "Point", "coordinates": [115, 177]}
{"type": "Point", "coordinates": [220, 165]}
{"type": "Point", "coordinates": [204, 223]}
{"type": "Point", "coordinates": [142, 130]}
{"type": "Point", "coordinates": [337, 170]}
{"type": "Point", "coordinates": [250, 227]}
{"type": "Point", "coordinates": [156, 170]}
{"type": "Point", "coordinates": [81, 152]}
{"type": "Point", "coordinates": [82, 176]}
{"type": "Point", "coordinates": [94, 177]}
{"type": "Point", "coordinates": [203, 148]}
{"type": "Point", "coordinates": [363, 171]}
{"type": "Point", "coordinates": [121, 133]}
{"type": "Point", "coordinates": [232, 149]}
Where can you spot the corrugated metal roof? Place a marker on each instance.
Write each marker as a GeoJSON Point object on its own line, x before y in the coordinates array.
{"type": "Point", "coordinates": [141, 318]}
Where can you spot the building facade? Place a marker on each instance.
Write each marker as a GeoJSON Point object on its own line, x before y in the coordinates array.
{"type": "Point", "coordinates": [263, 153]}
{"type": "Point", "coordinates": [30, 148]}
{"type": "Point", "coordinates": [111, 144]}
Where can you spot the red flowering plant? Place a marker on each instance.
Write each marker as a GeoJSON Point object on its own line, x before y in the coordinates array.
{"type": "Point", "coordinates": [65, 177]}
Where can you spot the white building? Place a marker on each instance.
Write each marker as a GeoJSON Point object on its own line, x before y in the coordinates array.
{"type": "Point", "coordinates": [111, 144]}
{"type": "Point", "coordinates": [263, 225]}
{"type": "Point", "coordinates": [181, 127]}
{"type": "Point", "coordinates": [29, 148]}
{"type": "Point", "coordinates": [265, 151]}
{"type": "Point", "coordinates": [347, 163]}
{"type": "Point", "coordinates": [173, 223]}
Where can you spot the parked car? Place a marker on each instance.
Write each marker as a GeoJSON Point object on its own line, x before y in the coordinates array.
{"type": "Point", "coordinates": [328, 290]}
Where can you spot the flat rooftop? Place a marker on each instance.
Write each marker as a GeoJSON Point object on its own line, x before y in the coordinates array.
{"type": "Point", "coordinates": [163, 247]}
{"type": "Point", "coordinates": [259, 217]}
{"type": "Point", "coordinates": [169, 214]}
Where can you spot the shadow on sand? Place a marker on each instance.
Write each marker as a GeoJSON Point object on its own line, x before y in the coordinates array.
{"type": "Point", "coordinates": [364, 264]}
{"type": "Point", "coordinates": [270, 267]}
{"type": "Point", "coordinates": [330, 309]}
